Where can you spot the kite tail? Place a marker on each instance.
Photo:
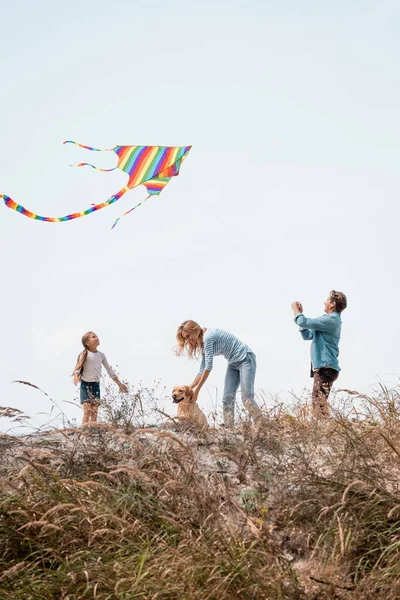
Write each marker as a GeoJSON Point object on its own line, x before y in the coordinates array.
{"type": "Point", "coordinates": [94, 150]}
{"type": "Point", "coordinates": [93, 167]}
{"type": "Point", "coordinates": [19, 208]}
{"type": "Point", "coordinates": [128, 211]}
{"type": "Point", "coordinates": [89, 147]}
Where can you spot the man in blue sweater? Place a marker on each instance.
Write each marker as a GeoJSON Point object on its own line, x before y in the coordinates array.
{"type": "Point", "coordinates": [325, 335]}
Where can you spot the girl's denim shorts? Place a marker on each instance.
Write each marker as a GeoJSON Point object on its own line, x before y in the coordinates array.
{"type": "Point", "coordinates": [90, 391]}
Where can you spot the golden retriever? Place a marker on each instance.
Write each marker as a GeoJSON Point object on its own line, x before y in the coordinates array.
{"type": "Point", "coordinates": [187, 410]}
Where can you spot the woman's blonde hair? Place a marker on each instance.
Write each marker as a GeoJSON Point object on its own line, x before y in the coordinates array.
{"type": "Point", "coordinates": [193, 348]}
{"type": "Point", "coordinates": [83, 355]}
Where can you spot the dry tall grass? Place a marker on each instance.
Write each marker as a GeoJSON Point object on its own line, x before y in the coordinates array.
{"type": "Point", "coordinates": [296, 509]}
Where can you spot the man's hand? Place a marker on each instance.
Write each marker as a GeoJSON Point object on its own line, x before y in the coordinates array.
{"type": "Point", "coordinates": [297, 307]}
{"type": "Point", "coordinates": [123, 388]}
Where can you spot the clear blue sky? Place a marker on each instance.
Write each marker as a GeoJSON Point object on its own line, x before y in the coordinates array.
{"type": "Point", "coordinates": [292, 186]}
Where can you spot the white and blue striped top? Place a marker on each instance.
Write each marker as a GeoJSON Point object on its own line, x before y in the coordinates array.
{"type": "Point", "coordinates": [218, 342]}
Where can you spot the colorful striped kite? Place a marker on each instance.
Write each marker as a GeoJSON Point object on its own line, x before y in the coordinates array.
{"type": "Point", "coordinates": [151, 166]}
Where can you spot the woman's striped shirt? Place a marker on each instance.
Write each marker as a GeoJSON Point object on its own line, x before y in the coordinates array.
{"type": "Point", "coordinates": [218, 342]}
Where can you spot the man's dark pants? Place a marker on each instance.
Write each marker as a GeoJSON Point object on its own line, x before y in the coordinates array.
{"type": "Point", "coordinates": [323, 381]}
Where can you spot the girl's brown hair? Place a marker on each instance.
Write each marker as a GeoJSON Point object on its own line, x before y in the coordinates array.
{"type": "Point", "coordinates": [192, 346]}
{"type": "Point", "coordinates": [83, 355]}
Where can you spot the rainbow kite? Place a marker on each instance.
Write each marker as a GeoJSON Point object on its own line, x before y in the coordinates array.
{"type": "Point", "coordinates": [151, 166]}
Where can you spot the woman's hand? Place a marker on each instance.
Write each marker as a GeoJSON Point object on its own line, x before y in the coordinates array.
{"type": "Point", "coordinates": [195, 396]}
{"type": "Point", "coordinates": [123, 388]}
{"type": "Point", "coordinates": [195, 382]}
{"type": "Point", "coordinates": [76, 378]}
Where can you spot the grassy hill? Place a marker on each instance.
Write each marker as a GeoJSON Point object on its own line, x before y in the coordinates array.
{"type": "Point", "coordinates": [294, 509]}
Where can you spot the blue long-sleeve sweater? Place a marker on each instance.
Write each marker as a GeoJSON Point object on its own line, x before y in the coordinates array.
{"type": "Point", "coordinates": [325, 335]}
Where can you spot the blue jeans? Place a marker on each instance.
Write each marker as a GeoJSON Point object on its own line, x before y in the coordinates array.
{"type": "Point", "coordinates": [242, 373]}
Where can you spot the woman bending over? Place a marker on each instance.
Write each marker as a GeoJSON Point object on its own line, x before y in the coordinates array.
{"type": "Point", "coordinates": [241, 369]}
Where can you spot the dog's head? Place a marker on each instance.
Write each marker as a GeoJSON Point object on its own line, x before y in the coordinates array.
{"type": "Point", "coordinates": [181, 392]}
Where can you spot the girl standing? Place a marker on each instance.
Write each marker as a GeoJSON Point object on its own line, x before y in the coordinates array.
{"type": "Point", "coordinates": [241, 365]}
{"type": "Point", "coordinates": [88, 372]}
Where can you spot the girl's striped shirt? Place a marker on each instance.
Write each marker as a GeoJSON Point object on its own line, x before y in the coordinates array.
{"type": "Point", "coordinates": [218, 342]}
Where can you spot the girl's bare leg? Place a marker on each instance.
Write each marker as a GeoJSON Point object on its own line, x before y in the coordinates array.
{"type": "Point", "coordinates": [95, 410]}
{"type": "Point", "coordinates": [86, 413]}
